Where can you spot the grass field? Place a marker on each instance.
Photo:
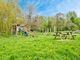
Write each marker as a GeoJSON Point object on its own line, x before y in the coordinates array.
{"type": "Point", "coordinates": [40, 47]}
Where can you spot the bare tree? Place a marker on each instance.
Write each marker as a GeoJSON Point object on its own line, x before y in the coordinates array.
{"type": "Point", "coordinates": [30, 15]}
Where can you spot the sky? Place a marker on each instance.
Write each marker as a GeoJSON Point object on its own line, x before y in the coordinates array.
{"type": "Point", "coordinates": [51, 7]}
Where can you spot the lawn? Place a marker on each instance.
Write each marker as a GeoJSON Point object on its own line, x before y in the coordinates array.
{"type": "Point", "coordinates": [40, 47]}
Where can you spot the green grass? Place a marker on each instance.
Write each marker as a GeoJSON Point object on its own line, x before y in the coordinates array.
{"type": "Point", "coordinates": [40, 47]}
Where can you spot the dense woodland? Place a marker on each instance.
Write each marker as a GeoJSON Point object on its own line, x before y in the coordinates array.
{"type": "Point", "coordinates": [11, 14]}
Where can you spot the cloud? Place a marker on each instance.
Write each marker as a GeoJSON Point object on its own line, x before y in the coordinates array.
{"type": "Point", "coordinates": [69, 5]}
{"type": "Point", "coordinates": [51, 7]}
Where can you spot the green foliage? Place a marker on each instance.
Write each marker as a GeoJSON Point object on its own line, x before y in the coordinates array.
{"type": "Point", "coordinates": [8, 16]}
{"type": "Point", "coordinates": [60, 21]}
{"type": "Point", "coordinates": [72, 21]}
{"type": "Point", "coordinates": [43, 23]}
{"type": "Point", "coordinates": [71, 14]}
{"type": "Point", "coordinates": [77, 22]}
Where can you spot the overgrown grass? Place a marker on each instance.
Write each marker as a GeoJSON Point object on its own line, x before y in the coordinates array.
{"type": "Point", "coordinates": [40, 47]}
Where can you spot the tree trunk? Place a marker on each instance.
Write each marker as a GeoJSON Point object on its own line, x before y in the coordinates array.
{"type": "Point", "coordinates": [55, 29]}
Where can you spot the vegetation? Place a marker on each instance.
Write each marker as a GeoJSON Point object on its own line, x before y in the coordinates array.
{"type": "Point", "coordinates": [10, 14]}
{"type": "Point", "coordinates": [40, 47]}
{"type": "Point", "coordinates": [26, 36]}
{"type": "Point", "coordinates": [8, 17]}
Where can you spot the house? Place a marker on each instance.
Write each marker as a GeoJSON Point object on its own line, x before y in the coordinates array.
{"type": "Point", "coordinates": [20, 28]}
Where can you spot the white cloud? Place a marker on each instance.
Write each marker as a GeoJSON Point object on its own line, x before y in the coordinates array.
{"type": "Point", "coordinates": [69, 5]}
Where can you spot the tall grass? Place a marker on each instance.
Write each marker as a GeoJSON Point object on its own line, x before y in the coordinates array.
{"type": "Point", "coordinates": [40, 47]}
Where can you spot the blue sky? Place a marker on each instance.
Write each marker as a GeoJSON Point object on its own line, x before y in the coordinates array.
{"type": "Point", "coordinates": [51, 7]}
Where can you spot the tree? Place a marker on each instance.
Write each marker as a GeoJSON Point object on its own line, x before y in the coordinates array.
{"type": "Point", "coordinates": [30, 13]}
{"type": "Point", "coordinates": [43, 23]}
{"type": "Point", "coordinates": [50, 23]}
{"type": "Point", "coordinates": [71, 17]}
{"type": "Point", "coordinates": [8, 16]}
{"type": "Point", "coordinates": [77, 22]}
{"type": "Point", "coordinates": [35, 24]}
{"type": "Point", "coordinates": [60, 21]}
{"type": "Point", "coordinates": [71, 14]}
